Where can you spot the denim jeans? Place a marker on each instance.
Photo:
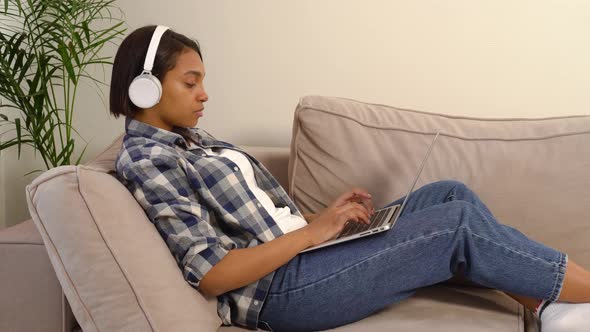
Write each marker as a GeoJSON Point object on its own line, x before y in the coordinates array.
{"type": "Point", "coordinates": [444, 229]}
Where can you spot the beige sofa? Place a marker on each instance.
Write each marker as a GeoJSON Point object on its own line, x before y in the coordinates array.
{"type": "Point", "coordinates": [89, 237]}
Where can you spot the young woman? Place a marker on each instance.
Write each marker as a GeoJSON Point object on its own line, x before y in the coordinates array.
{"type": "Point", "coordinates": [236, 234]}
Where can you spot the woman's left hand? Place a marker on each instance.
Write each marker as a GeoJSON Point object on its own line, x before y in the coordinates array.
{"type": "Point", "coordinates": [357, 195]}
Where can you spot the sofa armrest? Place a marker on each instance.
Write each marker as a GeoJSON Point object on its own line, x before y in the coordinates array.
{"type": "Point", "coordinates": [32, 298]}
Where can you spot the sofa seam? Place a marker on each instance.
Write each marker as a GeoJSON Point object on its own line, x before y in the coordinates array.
{"type": "Point", "coordinates": [451, 135]}
{"type": "Point", "coordinates": [110, 249]}
{"type": "Point", "coordinates": [520, 318]}
{"type": "Point", "coordinates": [458, 117]}
{"type": "Point", "coordinates": [63, 312]}
{"type": "Point", "coordinates": [38, 181]}
{"type": "Point", "coordinates": [66, 273]}
{"type": "Point", "coordinates": [295, 158]}
{"type": "Point", "coordinates": [23, 243]}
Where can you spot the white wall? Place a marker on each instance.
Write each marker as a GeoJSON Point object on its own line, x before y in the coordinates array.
{"type": "Point", "coordinates": [502, 58]}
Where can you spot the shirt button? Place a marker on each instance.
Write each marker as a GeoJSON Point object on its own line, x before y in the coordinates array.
{"type": "Point", "coordinates": [236, 168]}
{"type": "Point", "coordinates": [256, 302]}
{"type": "Point", "coordinates": [259, 205]}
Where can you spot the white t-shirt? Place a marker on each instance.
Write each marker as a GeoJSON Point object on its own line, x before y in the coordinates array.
{"type": "Point", "coordinates": [286, 221]}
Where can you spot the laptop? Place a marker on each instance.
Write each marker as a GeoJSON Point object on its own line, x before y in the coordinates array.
{"type": "Point", "coordinates": [381, 221]}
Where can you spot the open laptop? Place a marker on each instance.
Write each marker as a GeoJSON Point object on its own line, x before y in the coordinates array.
{"type": "Point", "coordinates": [381, 221]}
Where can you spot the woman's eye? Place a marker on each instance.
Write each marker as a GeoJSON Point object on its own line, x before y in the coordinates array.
{"type": "Point", "coordinates": [190, 85]}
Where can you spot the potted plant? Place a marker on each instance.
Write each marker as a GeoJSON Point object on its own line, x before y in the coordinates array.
{"type": "Point", "coordinates": [46, 47]}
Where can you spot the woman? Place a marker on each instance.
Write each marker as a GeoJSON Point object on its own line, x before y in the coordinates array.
{"type": "Point", "coordinates": [236, 234]}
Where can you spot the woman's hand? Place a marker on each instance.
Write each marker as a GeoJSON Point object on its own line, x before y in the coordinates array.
{"type": "Point", "coordinates": [354, 205]}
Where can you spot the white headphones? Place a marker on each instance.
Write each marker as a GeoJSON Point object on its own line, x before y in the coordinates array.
{"type": "Point", "coordinates": [145, 90]}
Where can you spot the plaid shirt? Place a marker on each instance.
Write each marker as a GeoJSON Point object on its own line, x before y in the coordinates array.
{"type": "Point", "coordinates": [201, 206]}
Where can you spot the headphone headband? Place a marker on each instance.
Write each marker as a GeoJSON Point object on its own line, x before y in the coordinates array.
{"type": "Point", "coordinates": [153, 48]}
{"type": "Point", "coordinates": [145, 90]}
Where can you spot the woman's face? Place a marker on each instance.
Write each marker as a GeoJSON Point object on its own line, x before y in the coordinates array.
{"type": "Point", "coordinates": [183, 95]}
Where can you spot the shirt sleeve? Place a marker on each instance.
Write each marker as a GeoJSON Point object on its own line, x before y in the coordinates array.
{"type": "Point", "coordinates": [161, 186]}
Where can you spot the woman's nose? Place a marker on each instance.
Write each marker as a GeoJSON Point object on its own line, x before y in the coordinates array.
{"type": "Point", "coordinates": [204, 96]}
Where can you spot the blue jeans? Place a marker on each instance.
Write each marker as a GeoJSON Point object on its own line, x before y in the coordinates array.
{"type": "Point", "coordinates": [444, 230]}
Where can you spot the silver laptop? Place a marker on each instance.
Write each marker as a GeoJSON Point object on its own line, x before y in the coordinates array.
{"type": "Point", "coordinates": [381, 221]}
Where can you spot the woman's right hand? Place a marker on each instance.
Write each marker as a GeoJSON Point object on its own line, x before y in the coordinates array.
{"type": "Point", "coordinates": [330, 222]}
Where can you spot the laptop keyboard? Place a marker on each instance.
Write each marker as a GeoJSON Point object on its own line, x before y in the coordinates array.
{"type": "Point", "coordinates": [378, 219]}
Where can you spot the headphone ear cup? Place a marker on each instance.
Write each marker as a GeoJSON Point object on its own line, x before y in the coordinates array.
{"type": "Point", "coordinates": [145, 91]}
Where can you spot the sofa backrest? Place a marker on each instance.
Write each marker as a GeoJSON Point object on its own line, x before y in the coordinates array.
{"type": "Point", "coordinates": [118, 274]}
{"type": "Point", "coordinates": [534, 174]}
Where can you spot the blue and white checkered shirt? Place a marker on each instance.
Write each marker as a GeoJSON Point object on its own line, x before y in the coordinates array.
{"type": "Point", "coordinates": [201, 206]}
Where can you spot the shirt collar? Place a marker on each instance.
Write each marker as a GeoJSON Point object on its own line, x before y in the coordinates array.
{"type": "Point", "coordinates": [175, 137]}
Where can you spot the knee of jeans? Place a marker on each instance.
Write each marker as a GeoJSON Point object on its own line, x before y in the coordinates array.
{"type": "Point", "coordinates": [450, 185]}
{"type": "Point", "coordinates": [461, 213]}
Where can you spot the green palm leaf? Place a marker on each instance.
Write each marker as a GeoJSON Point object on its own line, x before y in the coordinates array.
{"type": "Point", "coordinates": [46, 47]}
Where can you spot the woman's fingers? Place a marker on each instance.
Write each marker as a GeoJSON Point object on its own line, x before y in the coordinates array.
{"type": "Point", "coordinates": [354, 193]}
{"type": "Point", "coordinates": [368, 204]}
{"type": "Point", "coordinates": [343, 199]}
{"type": "Point", "coordinates": [355, 212]}
{"type": "Point", "coordinates": [361, 192]}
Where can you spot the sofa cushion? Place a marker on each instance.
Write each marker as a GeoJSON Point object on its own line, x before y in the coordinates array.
{"type": "Point", "coordinates": [532, 173]}
{"type": "Point", "coordinates": [443, 308]}
{"type": "Point", "coordinates": [114, 268]}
